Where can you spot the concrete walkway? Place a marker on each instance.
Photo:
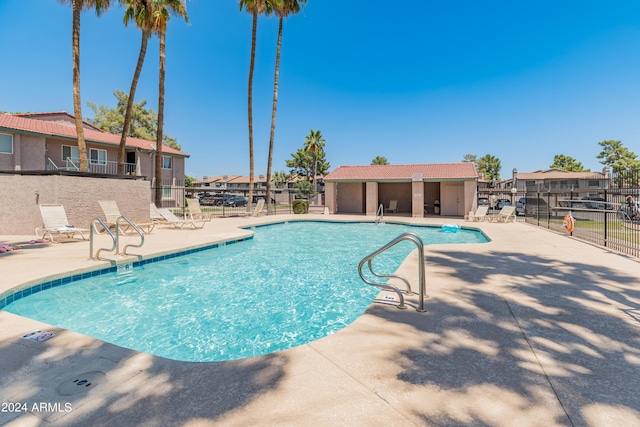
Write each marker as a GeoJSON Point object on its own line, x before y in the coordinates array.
{"type": "Point", "coordinates": [531, 329]}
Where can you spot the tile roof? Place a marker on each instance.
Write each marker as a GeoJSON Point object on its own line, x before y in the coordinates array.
{"type": "Point", "coordinates": [560, 174]}
{"type": "Point", "coordinates": [53, 129]}
{"type": "Point", "coordinates": [460, 170]}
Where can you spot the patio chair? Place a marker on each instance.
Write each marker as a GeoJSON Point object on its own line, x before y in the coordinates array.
{"type": "Point", "coordinates": [479, 215]}
{"type": "Point", "coordinates": [393, 206]}
{"type": "Point", "coordinates": [195, 211]}
{"type": "Point", "coordinates": [259, 210]}
{"type": "Point", "coordinates": [55, 223]}
{"type": "Point", "coordinates": [506, 213]}
{"type": "Point", "coordinates": [176, 222]}
{"type": "Point", "coordinates": [112, 213]}
{"type": "Point", "coordinates": [155, 214]}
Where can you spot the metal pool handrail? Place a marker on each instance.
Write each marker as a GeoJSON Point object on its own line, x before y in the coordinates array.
{"type": "Point", "coordinates": [380, 214]}
{"type": "Point", "coordinates": [412, 237]}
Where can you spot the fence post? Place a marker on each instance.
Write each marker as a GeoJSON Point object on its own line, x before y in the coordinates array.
{"type": "Point", "coordinates": [606, 214]}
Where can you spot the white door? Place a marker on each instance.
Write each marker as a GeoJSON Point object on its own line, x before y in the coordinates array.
{"type": "Point", "coordinates": [452, 195]}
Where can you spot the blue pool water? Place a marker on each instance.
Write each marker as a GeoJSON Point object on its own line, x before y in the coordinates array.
{"type": "Point", "coordinates": [290, 284]}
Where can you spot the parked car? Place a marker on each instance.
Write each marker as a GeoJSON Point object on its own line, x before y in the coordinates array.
{"type": "Point", "coordinates": [597, 203]}
{"type": "Point", "coordinates": [501, 203]}
{"type": "Point", "coordinates": [234, 201]}
{"type": "Point", "coordinates": [520, 206]}
{"type": "Point", "coordinates": [483, 201]}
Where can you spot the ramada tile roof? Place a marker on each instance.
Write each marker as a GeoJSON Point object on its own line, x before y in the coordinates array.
{"type": "Point", "coordinates": [434, 171]}
{"type": "Point", "coordinates": [560, 174]}
{"type": "Point", "coordinates": [54, 129]}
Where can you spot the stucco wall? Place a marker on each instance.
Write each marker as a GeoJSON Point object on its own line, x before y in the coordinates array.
{"type": "Point", "coordinates": [350, 197]}
{"type": "Point", "coordinates": [21, 195]}
{"type": "Point", "coordinates": [400, 191]}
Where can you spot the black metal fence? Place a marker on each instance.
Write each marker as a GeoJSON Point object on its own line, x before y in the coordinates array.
{"type": "Point", "coordinates": [229, 203]}
{"type": "Point", "coordinates": [602, 216]}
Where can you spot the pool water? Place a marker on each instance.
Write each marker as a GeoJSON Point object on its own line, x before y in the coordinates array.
{"type": "Point", "coordinates": [291, 284]}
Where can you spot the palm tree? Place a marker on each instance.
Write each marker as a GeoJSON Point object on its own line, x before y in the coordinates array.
{"type": "Point", "coordinates": [162, 10]}
{"type": "Point", "coordinates": [282, 9]}
{"type": "Point", "coordinates": [140, 12]}
{"type": "Point", "coordinates": [313, 143]}
{"type": "Point", "coordinates": [77, 7]}
{"type": "Point", "coordinates": [255, 8]}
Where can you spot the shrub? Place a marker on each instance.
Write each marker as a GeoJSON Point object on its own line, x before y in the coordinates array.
{"type": "Point", "coordinates": [300, 206]}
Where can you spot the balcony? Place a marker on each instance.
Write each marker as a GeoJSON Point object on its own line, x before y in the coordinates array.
{"type": "Point", "coordinates": [99, 168]}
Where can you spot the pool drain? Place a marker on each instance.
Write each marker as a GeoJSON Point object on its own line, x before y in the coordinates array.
{"type": "Point", "coordinates": [81, 383]}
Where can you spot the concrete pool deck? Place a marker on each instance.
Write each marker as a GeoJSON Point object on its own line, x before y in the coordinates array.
{"type": "Point", "coordinates": [531, 329]}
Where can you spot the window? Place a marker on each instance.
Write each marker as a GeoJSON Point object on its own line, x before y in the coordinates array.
{"type": "Point", "coordinates": [166, 191]}
{"type": "Point", "coordinates": [166, 162]}
{"type": "Point", "coordinates": [6, 143]}
{"type": "Point", "coordinates": [98, 157]}
{"type": "Point", "coordinates": [69, 152]}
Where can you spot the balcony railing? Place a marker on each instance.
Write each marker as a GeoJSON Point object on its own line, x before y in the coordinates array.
{"type": "Point", "coordinates": [103, 167]}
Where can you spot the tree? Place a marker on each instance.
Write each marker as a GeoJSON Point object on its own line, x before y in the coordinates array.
{"type": "Point", "coordinates": [379, 160]}
{"type": "Point", "coordinates": [280, 179]}
{"type": "Point", "coordinates": [302, 163]}
{"type": "Point", "coordinates": [162, 10]}
{"type": "Point", "coordinates": [567, 163]}
{"type": "Point", "coordinates": [140, 12]}
{"type": "Point", "coordinates": [143, 122]}
{"type": "Point", "coordinates": [490, 167]}
{"type": "Point", "coordinates": [255, 8]}
{"type": "Point", "coordinates": [618, 157]}
{"type": "Point", "coordinates": [470, 158]}
{"type": "Point", "coordinates": [77, 7]}
{"type": "Point", "coordinates": [189, 181]}
{"type": "Point", "coordinates": [282, 8]}
{"type": "Point", "coordinates": [313, 143]}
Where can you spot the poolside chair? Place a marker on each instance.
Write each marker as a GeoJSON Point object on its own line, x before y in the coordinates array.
{"type": "Point", "coordinates": [393, 206]}
{"type": "Point", "coordinates": [259, 210]}
{"type": "Point", "coordinates": [479, 215]}
{"type": "Point", "coordinates": [155, 214]}
{"type": "Point", "coordinates": [55, 223]}
{"type": "Point", "coordinates": [506, 213]}
{"type": "Point", "coordinates": [176, 222]}
{"type": "Point", "coordinates": [112, 213]}
{"type": "Point", "coordinates": [195, 211]}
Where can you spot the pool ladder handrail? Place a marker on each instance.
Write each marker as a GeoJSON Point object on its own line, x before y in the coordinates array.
{"type": "Point", "coordinates": [115, 238]}
{"type": "Point", "coordinates": [411, 237]}
{"type": "Point", "coordinates": [380, 214]}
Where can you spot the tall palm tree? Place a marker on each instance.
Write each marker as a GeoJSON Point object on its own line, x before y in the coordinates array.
{"type": "Point", "coordinates": [140, 12]}
{"type": "Point", "coordinates": [77, 7]}
{"type": "Point", "coordinates": [255, 8]}
{"type": "Point", "coordinates": [313, 143]}
{"type": "Point", "coordinates": [282, 9]}
{"type": "Point", "coordinates": [162, 10]}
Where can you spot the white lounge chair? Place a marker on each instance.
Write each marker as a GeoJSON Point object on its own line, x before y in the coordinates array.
{"type": "Point", "coordinates": [176, 222]}
{"type": "Point", "coordinates": [393, 206]}
{"type": "Point", "coordinates": [479, 215]}
{"type": "Point", "coordinates": [55, 223]}
{"type": "Point", "coordinates": [506, 213]}
{"type": "Point", "coordinates": [259, 210]}
{"type": "Point", "coordinates": [195, 211]}
{"type": "Point", "coordinates": [112, 213]}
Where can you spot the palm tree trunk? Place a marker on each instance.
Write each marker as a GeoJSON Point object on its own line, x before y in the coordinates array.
{"type": "Point", "coordinates": [77, 105]}
{"type": "Point", "coordinates": [160, 122]}
{"type": "Point", "coordinates": [254, 30]}
{"type": "Point", "coordinates": [273, 114]}
{"type": "Point", "coordinates": [132, 94]}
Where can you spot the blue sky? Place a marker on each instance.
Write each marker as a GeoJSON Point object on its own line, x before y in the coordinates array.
{"type": "Point", "coordinates": [424, 82]}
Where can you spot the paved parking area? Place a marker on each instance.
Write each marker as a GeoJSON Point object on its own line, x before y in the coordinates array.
{"type": "Point", "coordinates": [531, 329]}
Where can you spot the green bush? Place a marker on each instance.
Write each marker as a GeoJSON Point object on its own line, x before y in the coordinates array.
{"type": "Point", "coordinates": [300, 206]}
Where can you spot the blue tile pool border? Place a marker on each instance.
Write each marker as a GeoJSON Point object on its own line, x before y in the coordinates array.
{"type": "Point", "coordinates": [15, 296]}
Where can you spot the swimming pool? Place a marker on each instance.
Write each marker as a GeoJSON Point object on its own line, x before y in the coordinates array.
{"type": "Point", "coordinates": [290, 284]}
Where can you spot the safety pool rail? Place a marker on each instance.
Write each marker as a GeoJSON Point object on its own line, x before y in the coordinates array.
{"type": "Point", "coordinates": [412, 237]}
